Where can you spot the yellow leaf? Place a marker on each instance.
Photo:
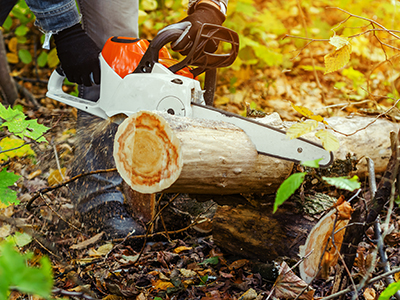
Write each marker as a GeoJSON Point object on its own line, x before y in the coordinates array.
{"type": "Point", "coordinates": [339, 41]}
{"type": "Point", "coordinates": [162, 285]}
{"type": "Point", "coordinates": [142, 16]}
{"type": "Point", "coordinates": [14, 143]}
{"type": "Point", "coordinates": [12, 58]}
{"type": "Point", "coordinates": [307, 113]}
{"type": "Point", "coordinates": [329, 141]}
{"type": "Point", "coordinates": [181, 248]}
{"type": "Point", "coordinates": [337, 59]}
{"type": "Point", "coordinates": [12, 45]}
{"type": "Point", "coordinates": [301, 128]}
{"type": "Point", "coordinates": [56, 176]}
{"type": "Point", "coordinates": [52, 58]}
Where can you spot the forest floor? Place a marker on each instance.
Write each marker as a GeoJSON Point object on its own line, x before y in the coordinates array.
{"type": "Point", "coordinates": [182, 262]}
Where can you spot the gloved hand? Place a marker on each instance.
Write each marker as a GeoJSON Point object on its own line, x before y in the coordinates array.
{"type": "Point", "coordinates": [79, 55]}
{"type": "Point", "coordinates": [203, 13]}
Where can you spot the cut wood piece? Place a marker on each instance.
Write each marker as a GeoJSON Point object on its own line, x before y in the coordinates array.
{"type": "Point", "coordinates": [160, 152]}
{"type": "Point", "coordinates": [142, 206]}
{"type": "Point", "coordinates": [147, 153]}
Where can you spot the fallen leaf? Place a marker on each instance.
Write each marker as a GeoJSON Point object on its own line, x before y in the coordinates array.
{"type": "Point", "coordinates": [250, 294]}
{"type": "Point", "coordinates": [88, 242]}
{"type": "Point", "coordinates": [369, 294]}
{"type": "Point", "coordinates": [5, 230]}
{"type": "Point", "coordinates": [188, 273]}
{"type": "Point", "coordinates": [101, 251]}
{"type": "Point", "coordinates": [288, 285]}
{"type": "Point", "coordinates": [182, 248]}
{"type": "Point", "coordinates": [56, 176]}
{"type": "Point", "coordinates": [162, 285]}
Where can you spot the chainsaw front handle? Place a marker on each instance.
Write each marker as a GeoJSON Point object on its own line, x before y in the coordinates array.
{"type": "Point", "coordinates": [197, 56]}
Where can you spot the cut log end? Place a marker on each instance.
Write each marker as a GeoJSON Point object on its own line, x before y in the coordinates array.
{"type": "Point", "coordinates": [147, 153]}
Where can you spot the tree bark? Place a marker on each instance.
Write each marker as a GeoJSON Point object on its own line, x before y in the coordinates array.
{"type": "Point", "coordinates": [7, 83]}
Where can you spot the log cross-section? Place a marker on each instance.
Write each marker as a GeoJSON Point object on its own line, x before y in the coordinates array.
{"type": "Point", "coordinates": [156, 151]}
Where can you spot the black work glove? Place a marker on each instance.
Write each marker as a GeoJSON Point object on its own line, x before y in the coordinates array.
{"type": "Point", "coordinates": [203, 13]}
{"type": "Point", "coordinates": [79, 55]}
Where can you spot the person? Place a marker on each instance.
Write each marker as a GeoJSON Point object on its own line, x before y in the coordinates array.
{"type": "Point", "coordinates": [78, 38]}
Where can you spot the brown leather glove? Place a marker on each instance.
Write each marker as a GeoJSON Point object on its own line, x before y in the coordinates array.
{"type": "Point", "coordinates": [203, 13]}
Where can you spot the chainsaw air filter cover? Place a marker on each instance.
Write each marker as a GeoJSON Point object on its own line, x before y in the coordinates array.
{"type": "Point", "coordinates": [123, 55]}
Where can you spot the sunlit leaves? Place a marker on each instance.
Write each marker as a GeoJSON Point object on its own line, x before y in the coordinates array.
{"type": "Point", "coordinates": [299, 129]}
{"type": "Point", "coordinates": [14, 147]}
{"type": "Point", "coordinates": [344, 183]}
{"type": "Point", "coordinates": [329, 141]}
{"type": "Point", "coordinates": [338, 58]}
{"type": "Point", "coordinates": [308, 113]}
{"type": "Point", "coordinates": [287, 188]}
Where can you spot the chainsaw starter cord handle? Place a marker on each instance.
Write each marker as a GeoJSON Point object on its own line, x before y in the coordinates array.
{"type": "Point", "coordinates": [79, 55]}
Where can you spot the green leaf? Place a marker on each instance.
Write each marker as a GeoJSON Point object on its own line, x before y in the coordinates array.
{"type": "Point", "coordinates": [16, 123]}
{"type": "Point", "coordinates": [15, 272]}
{"type": "Point", "coordinates": [42, 59]}
{"type": "Point", "coordinates": [7, 179]}
{"type": "Point", "coordinates": [212, 261]}
{"type": "Point", "coordinates": [288, 187]}
{"type": "Point", "coordinates": [21, 30]}
{"type": "Point", "coordinates": [19, 239]}
{"type": "Point", "coordinates": [25, 56]}
{"type": "Point", "coordinates": [7, 23]}
{"type": "Point", "coordinates": [390, 291]}
{"type": "Point", "coordinates": [311, 163]}
{"type": "Point", "coordinates": [344, 183]}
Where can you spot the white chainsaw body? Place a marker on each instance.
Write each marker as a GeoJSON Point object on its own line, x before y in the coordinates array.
{"type": "Point", "coordinates": [159, 90]}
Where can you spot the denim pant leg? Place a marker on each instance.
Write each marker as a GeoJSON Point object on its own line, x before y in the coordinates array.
{"type": "Point", "coordinates": [101, 19]}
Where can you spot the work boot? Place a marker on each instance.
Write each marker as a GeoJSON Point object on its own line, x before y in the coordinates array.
{"type": "Point", "coordinates": [112, 218]}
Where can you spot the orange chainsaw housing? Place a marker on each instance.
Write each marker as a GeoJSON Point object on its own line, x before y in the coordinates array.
{"type": "Point", "coordinates": [123, 55]}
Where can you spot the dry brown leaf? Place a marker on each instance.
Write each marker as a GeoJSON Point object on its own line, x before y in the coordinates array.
{"type": "Point", "coordinates": [56, 176]}
{"type": "Point", "coordinates": [101, 251]}
{"type": "Point", "coordinates": [88, 242]}
{"type": "Point", "coordinates": [369, 294]}
{"type": "Point", "coordinates": [250, 294]}
{"type": "Point", "coordinates": [288, 285]}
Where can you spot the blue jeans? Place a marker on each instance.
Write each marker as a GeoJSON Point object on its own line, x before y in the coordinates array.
{"type": "Point", "coordinates": [101, 19]}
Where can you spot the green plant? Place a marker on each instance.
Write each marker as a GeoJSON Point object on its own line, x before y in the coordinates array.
{"type": "Point", "coordinates": [294, 181]}
{"type": "Point", "coordinates": [15, 121]}
{"type": "Point", "coordinates": [16, 274]}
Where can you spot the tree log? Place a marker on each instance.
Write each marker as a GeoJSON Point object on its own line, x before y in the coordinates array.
{"type": "Point", "coordinates": [159, 152]}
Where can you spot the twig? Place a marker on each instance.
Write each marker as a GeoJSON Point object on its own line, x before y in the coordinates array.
{"type": "Point", "coordinates": [72, 294]}
{"type": "Point", "coordinates": [382, 253]}
{"type": "Point", "coordinates": [311, 55]}
{"type": "Point", "coordinates": [56, 186]}
{"type": "Point", "coordinates": [371, 177]}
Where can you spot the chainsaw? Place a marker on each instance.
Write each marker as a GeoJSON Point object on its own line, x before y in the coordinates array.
{"type": "Point", "coordinates": [140, 75]}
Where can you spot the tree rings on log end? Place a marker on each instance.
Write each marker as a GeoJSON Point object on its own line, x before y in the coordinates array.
{"type": "Point", "coordinates": [147, 153]}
